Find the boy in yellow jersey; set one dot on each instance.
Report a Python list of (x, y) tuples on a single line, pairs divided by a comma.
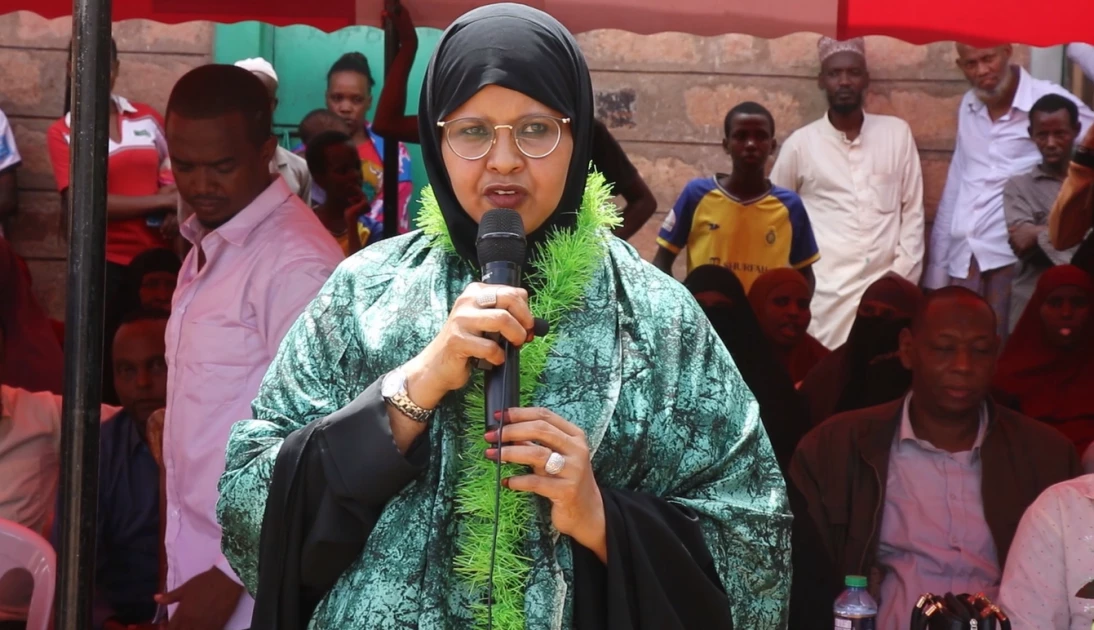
[(740, 221)]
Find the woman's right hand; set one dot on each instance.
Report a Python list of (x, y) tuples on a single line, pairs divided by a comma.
[(445, 364)]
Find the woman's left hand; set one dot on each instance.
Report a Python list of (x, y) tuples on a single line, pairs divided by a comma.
[(577, 508)]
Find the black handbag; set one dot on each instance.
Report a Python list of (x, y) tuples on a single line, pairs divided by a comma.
[(957, 612)]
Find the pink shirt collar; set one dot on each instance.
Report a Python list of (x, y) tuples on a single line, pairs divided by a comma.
[(239, 227)]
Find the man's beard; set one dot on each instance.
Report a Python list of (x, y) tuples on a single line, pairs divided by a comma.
[(991, 96), (846, 108)]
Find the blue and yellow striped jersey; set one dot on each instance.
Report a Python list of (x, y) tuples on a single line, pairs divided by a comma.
[(747, 238)]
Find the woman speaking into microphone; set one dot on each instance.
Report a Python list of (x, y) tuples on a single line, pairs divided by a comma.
[(638, 488)]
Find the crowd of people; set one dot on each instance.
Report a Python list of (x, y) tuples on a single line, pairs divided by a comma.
[(285, 390)]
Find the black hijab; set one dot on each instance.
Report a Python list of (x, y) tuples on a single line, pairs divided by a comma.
[(786, 419), (782, 410), (866, 371), (522, 49)]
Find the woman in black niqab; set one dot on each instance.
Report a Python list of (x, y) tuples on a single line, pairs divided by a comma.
[(785, 416), (866, 371), (781, 407)]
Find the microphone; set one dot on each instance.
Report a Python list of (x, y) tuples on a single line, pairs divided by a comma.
[(501, 249)]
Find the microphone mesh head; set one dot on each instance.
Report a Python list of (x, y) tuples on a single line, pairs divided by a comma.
[(501, 237)]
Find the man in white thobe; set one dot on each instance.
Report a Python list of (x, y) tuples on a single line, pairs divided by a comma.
[(859, 176)]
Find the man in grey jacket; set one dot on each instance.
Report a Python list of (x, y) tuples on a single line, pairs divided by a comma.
[(924, 494)]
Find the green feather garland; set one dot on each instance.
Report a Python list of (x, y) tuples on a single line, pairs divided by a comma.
[(559, 277)]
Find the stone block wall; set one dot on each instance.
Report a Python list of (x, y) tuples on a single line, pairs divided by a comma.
[(33, 57), (664, 97)]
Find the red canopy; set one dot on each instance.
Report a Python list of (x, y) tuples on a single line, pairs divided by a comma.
[(1042, 23)]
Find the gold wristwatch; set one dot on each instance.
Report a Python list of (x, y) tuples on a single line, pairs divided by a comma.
[(393, 390)]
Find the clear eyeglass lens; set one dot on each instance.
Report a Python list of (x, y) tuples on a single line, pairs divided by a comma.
[(535, 136)]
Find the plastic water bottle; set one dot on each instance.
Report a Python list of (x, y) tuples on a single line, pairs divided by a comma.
[(854, 608)]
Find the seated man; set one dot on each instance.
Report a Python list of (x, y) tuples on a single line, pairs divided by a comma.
[(1047, 584), (924, 494), (30, 444), (128, 531)]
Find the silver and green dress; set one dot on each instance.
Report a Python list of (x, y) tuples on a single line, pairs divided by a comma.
[(325, 521)]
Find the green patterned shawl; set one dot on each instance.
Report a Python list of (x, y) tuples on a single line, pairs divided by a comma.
[(633, 362)]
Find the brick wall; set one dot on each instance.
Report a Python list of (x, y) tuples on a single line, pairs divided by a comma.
[(32, 85), (664, 96)]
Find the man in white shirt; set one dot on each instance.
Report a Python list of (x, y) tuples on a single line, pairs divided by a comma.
[(969, 241), (1047, 581), (860, 178), (9, 162), (259, 256), (1082, 55), (290, 165)]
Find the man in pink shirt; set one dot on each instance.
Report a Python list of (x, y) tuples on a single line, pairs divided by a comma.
[(923, 494), (259, 256)]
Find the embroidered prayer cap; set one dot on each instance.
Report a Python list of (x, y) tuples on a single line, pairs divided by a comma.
[(826, 47), (258, 65)]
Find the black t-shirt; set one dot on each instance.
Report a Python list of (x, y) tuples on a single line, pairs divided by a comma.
[(610, 159)]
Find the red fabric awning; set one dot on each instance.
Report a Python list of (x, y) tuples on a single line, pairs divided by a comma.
[(1042, 23)]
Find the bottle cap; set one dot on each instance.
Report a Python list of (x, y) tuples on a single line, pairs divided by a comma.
[(857, 581)]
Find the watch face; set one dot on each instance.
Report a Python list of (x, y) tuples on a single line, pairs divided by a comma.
[(393, 384)]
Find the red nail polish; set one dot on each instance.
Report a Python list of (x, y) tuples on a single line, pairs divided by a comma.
[(505, 482), (498, 415), (492, 454), (531, 336), (491, 436)]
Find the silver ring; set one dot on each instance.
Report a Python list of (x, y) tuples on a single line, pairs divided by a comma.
[(555, 463), (487, 299)]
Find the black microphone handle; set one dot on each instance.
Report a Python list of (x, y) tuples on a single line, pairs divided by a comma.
[(502, 383)]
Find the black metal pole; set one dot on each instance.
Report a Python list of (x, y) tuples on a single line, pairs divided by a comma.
[(84, 313), (391, 147)]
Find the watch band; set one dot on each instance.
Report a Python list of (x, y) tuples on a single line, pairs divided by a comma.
[(403, 403), (393, 389)]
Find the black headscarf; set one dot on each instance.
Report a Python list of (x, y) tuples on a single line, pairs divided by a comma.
[(522, 49), (782, 410), (866, 371), (785, 418)]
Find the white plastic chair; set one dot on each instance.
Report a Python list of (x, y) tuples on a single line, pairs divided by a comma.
[(21, 548)]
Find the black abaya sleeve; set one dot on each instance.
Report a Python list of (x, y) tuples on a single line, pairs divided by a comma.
[(330, 483), (659, 575)]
